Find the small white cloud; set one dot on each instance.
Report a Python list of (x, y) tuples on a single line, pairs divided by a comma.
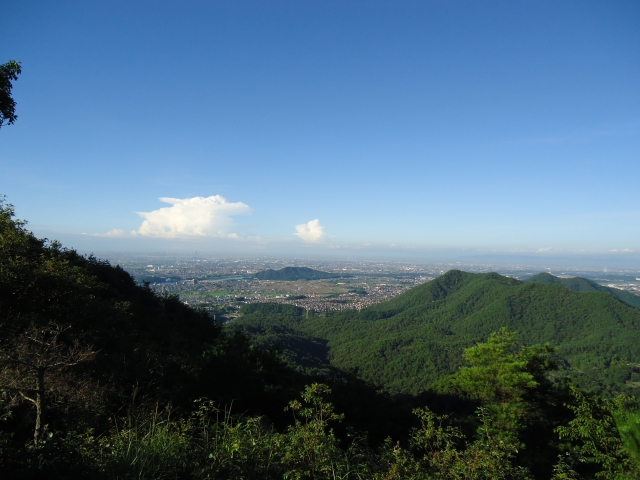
[(311, 232), (544, 249), (192, 217), (116, 232)]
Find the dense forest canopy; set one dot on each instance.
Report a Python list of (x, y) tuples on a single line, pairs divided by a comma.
[(579, 284), (101, 378), (406, 343)]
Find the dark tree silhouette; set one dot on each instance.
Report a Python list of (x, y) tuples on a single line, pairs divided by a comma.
[(8, 73), (33, 366)]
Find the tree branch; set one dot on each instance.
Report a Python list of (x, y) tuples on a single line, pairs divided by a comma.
[(27, 398)]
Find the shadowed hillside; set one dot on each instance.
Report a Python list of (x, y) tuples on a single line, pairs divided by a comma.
[(412, 340)]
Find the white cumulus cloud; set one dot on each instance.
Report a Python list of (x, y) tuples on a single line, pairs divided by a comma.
[(116, 232), (192, 217), (311, 232)]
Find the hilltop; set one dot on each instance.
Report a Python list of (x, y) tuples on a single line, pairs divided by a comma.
[(409, 342), (579, 284), (296, 273)]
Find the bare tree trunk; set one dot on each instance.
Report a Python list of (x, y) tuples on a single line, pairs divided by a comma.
[(40, 404)]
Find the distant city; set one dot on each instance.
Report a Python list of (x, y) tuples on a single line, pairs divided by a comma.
[(223, 285)]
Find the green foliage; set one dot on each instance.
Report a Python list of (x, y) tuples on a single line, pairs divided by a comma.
[(8, 73), (310, 447), (152, 448), (443, 452), (518, 406), (418, 337), (500, 377), (273, 325), (596, 440), (216, 444), (628, 423), (579, 284)]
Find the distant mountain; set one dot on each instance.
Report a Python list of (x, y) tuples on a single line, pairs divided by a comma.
[(296, 273), (579, 284), (140, 280), (409, 342)]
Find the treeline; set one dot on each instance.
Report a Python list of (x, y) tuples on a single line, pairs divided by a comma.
[(407, 343), (579, 284), (101, 378)]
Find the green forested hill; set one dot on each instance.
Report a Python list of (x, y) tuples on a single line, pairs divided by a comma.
[(295, 273), (579, 284), (418, 337)]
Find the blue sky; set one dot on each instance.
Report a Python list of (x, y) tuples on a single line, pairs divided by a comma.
[(327, 126)]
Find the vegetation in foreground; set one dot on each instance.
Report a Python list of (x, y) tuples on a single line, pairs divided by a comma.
[(100, 378)]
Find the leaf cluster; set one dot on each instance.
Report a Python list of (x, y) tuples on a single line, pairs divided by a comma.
[(8, 74)]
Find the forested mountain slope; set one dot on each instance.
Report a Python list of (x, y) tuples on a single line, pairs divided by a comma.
[(103, 342), (579, 284), (85, 353), (418, 337)]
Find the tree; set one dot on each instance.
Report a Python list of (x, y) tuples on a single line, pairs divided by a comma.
[(628, 423), (35, 363), (8, 73), (312, 450), (41, 295), (600, 435), (501, 376)]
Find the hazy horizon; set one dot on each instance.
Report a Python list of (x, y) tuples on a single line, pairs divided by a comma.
[(590, 261)]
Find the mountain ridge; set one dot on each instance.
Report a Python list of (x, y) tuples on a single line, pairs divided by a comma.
[(417, 337), (580, 284)]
